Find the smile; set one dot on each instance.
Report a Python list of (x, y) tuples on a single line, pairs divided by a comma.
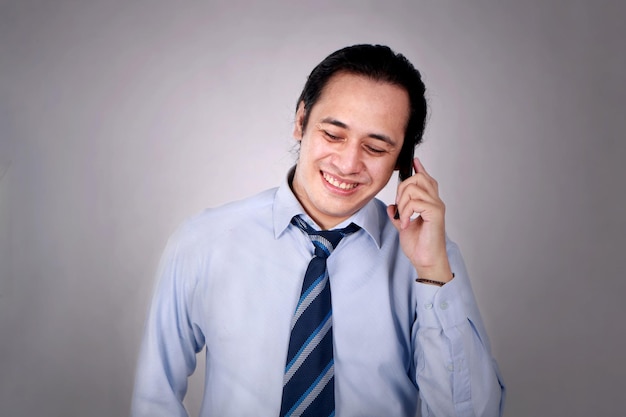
[(335, 182)]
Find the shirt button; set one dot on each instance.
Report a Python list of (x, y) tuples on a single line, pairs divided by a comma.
[(443, 305), (451, 367), (428, 306)]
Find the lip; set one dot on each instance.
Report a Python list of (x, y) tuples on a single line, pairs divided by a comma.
[(338, 185)]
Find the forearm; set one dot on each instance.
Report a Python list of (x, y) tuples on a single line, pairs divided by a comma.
[(456, 375), (454, 369), (161, 378)]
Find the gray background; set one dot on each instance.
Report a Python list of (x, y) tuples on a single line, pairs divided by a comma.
[(120, 119)]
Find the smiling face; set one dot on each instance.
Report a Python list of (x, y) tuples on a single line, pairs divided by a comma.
[(349, 147)]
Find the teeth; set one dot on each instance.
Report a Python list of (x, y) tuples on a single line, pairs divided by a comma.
[(336, 183)]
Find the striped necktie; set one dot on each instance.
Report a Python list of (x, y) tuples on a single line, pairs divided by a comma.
[(308, 384)]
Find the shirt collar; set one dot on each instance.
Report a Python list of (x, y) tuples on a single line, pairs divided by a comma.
[(286, 206)]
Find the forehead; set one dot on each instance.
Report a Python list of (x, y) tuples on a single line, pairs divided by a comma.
[(360, 100)]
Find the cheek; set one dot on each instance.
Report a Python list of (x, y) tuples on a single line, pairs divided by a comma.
[(314, 149), (382, 172)]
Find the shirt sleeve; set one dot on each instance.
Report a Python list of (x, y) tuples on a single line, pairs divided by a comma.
[(454, 370), (171, 340)]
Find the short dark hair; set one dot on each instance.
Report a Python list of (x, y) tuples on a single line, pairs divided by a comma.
[(379, 63)]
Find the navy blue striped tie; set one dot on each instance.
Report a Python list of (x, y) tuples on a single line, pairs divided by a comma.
[(309, 386)]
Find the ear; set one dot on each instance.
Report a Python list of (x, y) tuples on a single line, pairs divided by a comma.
[(298, 129)]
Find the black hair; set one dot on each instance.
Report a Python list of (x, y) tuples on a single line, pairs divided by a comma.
[(379, 63)]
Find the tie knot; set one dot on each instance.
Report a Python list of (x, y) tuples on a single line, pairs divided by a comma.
[(325, 241)]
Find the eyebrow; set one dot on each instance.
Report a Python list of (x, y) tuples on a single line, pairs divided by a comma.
[(342, 125)]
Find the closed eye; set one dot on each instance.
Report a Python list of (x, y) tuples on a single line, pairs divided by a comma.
[(375, 150), (331, 136)]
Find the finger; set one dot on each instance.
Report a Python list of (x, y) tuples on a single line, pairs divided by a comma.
[(414, 199), (427, 210), (418, 181), (419, 168), (421, 173), (417, 165), (415, 192), (394, 216), (417, 200)]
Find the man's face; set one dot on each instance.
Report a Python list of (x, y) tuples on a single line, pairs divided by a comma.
[(349, 148)]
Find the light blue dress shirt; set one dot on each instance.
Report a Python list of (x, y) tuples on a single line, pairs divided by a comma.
[(229, 280)]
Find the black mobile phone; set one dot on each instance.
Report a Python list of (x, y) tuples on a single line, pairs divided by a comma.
[(405, 170), (405, 165)]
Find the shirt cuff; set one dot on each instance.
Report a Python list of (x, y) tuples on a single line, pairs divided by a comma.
[(441, 307)]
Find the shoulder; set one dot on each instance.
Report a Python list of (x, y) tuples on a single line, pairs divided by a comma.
[(207, 227)]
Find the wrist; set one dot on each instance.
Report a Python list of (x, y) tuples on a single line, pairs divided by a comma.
[(433, 282), (441, 272)]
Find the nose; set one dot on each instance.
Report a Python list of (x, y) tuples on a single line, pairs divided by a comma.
[(348, 159)]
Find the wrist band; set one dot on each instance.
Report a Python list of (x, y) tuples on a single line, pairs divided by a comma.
[(433, 282)]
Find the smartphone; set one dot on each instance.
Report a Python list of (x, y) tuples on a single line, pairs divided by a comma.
[(405, 166), (405, 170)]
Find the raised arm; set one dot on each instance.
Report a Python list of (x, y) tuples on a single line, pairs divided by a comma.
[(454, 369)]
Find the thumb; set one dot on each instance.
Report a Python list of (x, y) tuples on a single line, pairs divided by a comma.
[(391, 212)]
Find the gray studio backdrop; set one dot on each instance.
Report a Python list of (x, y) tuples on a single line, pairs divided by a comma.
[(119, 119)]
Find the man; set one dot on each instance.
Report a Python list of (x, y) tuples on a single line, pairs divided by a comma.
[(404, 335)]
